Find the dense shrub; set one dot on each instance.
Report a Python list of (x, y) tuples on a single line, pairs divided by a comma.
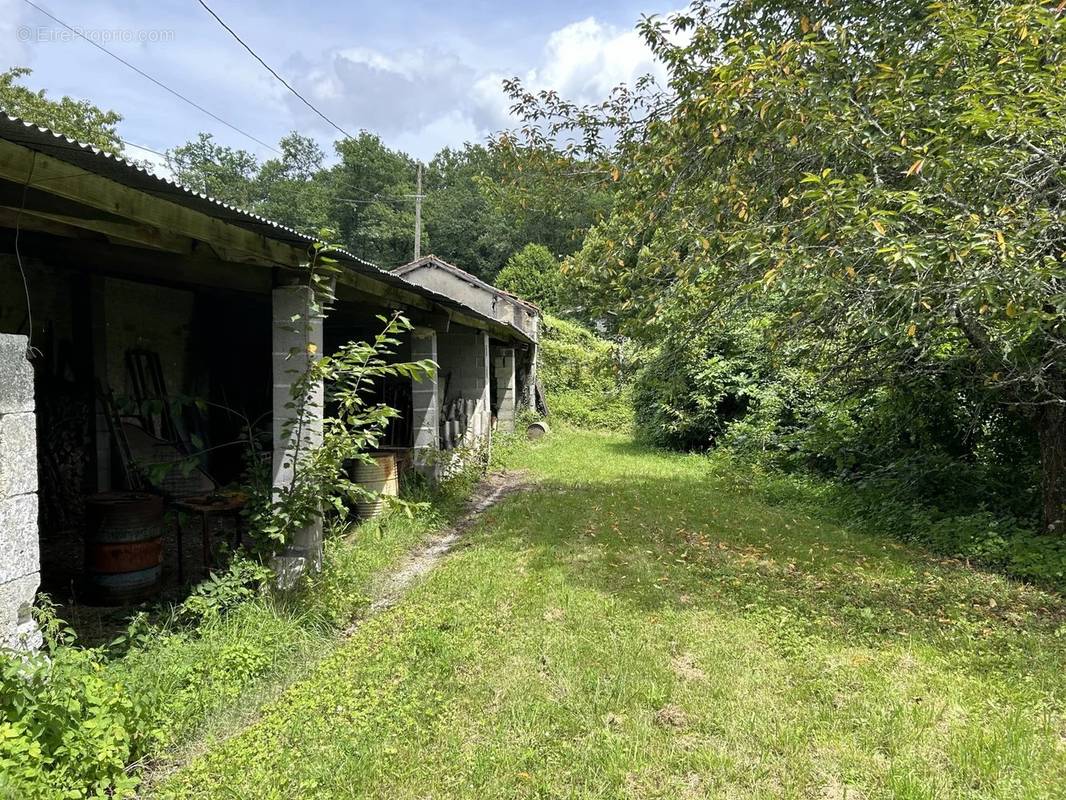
[(534, 274), (695, 386), (924, 461), (583, 377), (67, 728)]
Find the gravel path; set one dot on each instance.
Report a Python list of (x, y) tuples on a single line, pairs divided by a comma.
[(422, 560)]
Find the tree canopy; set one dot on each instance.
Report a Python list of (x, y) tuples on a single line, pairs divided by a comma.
[(78, 119), (891, 199)]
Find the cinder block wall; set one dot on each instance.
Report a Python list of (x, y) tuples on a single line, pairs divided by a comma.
[(503, 364), (463, 356), (19, 547), (425, 403)]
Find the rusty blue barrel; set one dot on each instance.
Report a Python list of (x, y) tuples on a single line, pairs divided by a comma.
[(124, 547)]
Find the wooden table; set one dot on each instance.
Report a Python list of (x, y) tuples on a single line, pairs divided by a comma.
[(208, 506)]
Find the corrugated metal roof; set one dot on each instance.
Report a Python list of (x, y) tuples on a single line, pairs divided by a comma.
[(107, 165)]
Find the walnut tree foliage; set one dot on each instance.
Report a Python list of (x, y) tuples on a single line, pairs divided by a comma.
[(886, 187)]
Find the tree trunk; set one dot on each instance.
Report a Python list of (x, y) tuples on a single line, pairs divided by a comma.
[(1052, 431)]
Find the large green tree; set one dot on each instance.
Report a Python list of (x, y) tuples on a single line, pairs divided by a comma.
[(225, 173), (78, 119), (463, 224), (893, 194), (294, 189), (373, 208), (534, 274)]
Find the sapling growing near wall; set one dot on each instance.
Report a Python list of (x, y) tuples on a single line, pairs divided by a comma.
[(325, 445)]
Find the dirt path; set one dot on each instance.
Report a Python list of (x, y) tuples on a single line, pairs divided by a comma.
[(389, 590), (421, 561)]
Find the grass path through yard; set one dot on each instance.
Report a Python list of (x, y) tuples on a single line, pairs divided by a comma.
[(637, 626)]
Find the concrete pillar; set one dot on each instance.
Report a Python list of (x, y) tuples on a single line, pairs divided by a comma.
[(425, 395), (503, 362), (483, 388), (297, 340), (533, 355), (528, 401), (20, 569)]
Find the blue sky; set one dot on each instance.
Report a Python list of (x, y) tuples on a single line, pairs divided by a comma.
[(419, 74)]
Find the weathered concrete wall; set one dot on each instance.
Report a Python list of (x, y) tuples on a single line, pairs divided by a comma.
[(487, 301), (19, 547), (120, 315), (50, 288), (144, 317), (503, 364), (295, 344)]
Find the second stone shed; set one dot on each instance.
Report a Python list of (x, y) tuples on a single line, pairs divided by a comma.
[(511, 364)]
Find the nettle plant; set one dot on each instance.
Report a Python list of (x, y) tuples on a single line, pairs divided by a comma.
[(326, 445)]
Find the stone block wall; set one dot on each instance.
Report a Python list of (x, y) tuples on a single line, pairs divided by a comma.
[(463, 356), (19, 546), (503, 367)]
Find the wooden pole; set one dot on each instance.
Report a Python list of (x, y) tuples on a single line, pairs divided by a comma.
[(418, 215)]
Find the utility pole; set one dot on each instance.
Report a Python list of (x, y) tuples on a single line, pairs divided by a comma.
[(418, 215)]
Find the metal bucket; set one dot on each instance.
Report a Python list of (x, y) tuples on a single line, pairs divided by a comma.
[(124, 547), (379, 476), (537, 430)]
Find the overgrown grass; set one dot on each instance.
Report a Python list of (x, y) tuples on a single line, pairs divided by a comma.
[(643, 625), (202, 683), (959, 526)]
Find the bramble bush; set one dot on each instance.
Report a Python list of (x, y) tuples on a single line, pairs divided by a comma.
[(583, 377)]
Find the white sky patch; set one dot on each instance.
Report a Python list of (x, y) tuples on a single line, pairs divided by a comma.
[(586, 60), (422, 99), (419, 87)]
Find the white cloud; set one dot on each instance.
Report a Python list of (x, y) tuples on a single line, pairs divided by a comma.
[(419, 96), (585, 60), (422, 99)]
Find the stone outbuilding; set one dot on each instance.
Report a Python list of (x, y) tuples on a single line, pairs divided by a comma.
[(132, 305), (513, 362)]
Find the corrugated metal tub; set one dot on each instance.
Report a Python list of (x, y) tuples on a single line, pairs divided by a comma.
[(124, 547)]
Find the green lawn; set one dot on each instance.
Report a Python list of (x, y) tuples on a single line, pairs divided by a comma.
[(638, 627)]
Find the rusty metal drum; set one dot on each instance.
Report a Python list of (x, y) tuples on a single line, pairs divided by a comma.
[(380, 476), (124, 547), (537, 430)]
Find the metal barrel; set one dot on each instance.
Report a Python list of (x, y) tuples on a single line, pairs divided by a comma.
[(380, 476), (536, 430), (124, 547)]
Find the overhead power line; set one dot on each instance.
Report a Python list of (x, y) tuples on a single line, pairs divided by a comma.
[(271, 70), (156, 81), (128, 143)]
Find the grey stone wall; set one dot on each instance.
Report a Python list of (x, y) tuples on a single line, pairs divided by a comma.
[(19, 547)]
